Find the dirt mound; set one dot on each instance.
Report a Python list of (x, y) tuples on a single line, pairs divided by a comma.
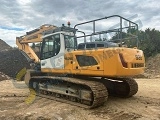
[(153, 66), (11, 61), (4, 46)]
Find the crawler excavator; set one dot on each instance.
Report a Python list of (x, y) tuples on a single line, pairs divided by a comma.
[(75, 68)]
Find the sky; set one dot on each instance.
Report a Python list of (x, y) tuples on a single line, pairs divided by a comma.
[(19, 16)]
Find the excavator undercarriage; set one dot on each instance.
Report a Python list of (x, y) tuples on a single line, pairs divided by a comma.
[(82, 92)]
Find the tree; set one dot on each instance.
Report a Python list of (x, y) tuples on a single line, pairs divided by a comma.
[(149, 40)]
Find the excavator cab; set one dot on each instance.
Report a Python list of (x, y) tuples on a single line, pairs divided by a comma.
[(54, 46)]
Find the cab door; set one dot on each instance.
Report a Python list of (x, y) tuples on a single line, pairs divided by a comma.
[(52, 52)]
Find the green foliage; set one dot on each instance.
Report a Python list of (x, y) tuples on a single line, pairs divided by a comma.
[(128, 37), (148, 40)]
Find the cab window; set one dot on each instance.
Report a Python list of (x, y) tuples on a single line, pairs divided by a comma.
[(69, 41), (50, 46)]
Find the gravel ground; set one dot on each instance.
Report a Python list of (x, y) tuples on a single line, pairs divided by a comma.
[(145, 105)]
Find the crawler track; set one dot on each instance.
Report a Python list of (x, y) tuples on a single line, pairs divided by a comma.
[(98, 90), (121, 87)]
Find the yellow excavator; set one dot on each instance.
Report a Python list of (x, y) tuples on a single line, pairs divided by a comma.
[(80, 67)]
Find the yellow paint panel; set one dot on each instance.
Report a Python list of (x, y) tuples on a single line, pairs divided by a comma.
[(108, 63)]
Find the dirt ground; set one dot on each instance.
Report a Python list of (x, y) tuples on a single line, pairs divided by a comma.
[(145, 105)]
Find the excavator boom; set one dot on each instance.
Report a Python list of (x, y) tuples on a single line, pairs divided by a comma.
[(34, 36)]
